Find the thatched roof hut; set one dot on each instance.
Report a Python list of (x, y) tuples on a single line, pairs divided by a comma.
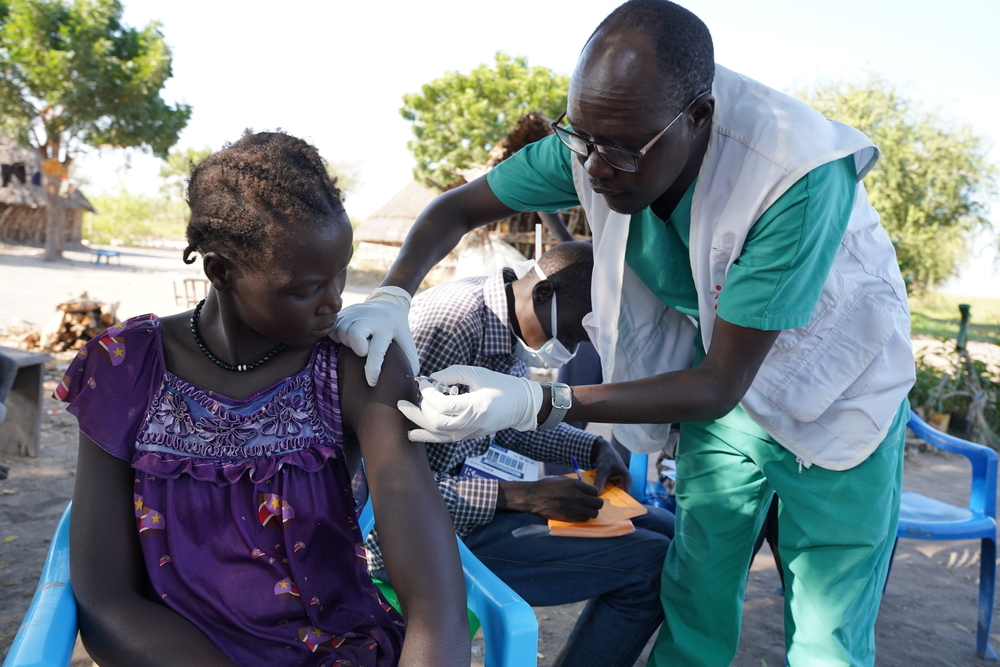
[(390, 224), (22, 198)]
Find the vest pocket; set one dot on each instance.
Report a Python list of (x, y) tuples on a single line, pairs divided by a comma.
[(832, 359)]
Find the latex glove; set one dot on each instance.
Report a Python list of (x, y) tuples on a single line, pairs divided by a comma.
[(368, 328), (496, 402)]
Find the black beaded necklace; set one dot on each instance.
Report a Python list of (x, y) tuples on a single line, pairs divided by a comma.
[(218, 362)]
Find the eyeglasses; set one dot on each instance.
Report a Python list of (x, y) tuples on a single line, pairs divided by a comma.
[(617, 158)]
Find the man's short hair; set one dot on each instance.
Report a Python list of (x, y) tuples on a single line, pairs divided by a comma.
[(683, 44), (570, 267)]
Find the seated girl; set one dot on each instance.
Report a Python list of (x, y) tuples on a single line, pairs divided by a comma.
[(213, 516)]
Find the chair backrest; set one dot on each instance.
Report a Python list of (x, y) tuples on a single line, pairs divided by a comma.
[(983, 495), (48, 632)]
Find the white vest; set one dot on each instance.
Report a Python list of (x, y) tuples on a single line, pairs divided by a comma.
[(828, 391)]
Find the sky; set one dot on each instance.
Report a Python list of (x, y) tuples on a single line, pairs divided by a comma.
[(335, 72)]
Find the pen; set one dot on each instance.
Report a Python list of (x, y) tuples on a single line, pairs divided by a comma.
[(576, 468)]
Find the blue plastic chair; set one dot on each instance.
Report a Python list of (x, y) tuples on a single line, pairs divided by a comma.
[(923, 518), (648, 491), (509, 624), (47, 634), (920, 517)]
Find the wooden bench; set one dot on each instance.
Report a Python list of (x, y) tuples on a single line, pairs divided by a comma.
[(107, 255), (20, 432)]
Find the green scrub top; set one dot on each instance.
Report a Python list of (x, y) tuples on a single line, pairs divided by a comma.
[(774, 284)]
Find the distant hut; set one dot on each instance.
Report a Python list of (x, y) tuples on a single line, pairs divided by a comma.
[(22, 198), (383, 232)]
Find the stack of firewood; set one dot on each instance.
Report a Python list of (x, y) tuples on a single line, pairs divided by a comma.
[(74, 323)]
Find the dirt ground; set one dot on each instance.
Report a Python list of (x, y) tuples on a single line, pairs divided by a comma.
[(928, 614)]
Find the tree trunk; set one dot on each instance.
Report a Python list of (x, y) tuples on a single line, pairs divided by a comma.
[(55, 219)]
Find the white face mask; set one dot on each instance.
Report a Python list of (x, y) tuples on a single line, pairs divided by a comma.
[(552, 353)]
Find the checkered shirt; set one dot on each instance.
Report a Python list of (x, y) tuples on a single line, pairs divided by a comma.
[(466, 322)]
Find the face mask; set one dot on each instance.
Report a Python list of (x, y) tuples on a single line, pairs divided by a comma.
[(552, 354)]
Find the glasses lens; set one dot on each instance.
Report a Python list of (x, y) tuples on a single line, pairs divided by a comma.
[(572, 142), (617, 159)]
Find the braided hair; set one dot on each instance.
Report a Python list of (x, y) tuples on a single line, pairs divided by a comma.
[(238, 194)]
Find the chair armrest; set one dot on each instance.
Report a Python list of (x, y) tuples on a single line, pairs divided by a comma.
[(509, 624), (47, 634), (502, 612), (984, 463)]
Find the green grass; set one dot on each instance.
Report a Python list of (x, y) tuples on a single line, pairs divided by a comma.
[(936, 315)]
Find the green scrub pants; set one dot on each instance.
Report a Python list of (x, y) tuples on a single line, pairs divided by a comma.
[(836, 532)]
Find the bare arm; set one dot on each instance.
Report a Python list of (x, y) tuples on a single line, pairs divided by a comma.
[(119, 625), (415, 531), (708, 391), (440, 227)]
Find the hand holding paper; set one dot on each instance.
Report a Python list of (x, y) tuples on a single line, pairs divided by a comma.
[(614, 517)]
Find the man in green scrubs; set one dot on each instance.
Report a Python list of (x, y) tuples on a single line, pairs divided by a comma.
[(649, 66)]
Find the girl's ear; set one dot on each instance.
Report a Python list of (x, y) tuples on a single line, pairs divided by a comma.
[(218, 270)]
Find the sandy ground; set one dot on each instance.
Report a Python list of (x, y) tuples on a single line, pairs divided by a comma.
[(927, 617)]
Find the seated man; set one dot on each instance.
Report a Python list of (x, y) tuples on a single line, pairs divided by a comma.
[(504, 323)]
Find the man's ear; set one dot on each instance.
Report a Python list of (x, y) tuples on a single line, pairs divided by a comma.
[(219, 271), (702, 112), (542, 292)]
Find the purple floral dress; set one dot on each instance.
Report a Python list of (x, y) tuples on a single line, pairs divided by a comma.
[(244, 508)]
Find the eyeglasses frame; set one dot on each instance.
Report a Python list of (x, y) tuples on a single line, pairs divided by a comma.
[(635, 155)]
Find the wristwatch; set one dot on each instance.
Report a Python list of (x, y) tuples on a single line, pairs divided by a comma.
[(562, 400)]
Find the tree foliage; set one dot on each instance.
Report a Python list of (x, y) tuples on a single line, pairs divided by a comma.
[(930, 182), (346, 175), (459, 117), (71, 72), (71, 75), (176, 168), (136, 219)]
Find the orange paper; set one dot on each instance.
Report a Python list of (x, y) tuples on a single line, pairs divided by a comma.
[(613, 518)]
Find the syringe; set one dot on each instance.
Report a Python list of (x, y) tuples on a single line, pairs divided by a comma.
[(448, 390)]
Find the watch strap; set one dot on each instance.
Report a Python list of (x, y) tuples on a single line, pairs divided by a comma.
[(562, 401)]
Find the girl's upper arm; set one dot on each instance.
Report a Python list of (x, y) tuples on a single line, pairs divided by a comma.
[(106, 558), (415, 530)]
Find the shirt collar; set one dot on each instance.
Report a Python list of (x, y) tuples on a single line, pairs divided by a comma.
[(497, 338)]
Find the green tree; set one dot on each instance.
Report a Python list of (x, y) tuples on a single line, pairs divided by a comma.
[(71, 75), (930, 182), (458, 118), (131, 219), (176, 168), (346, 175)]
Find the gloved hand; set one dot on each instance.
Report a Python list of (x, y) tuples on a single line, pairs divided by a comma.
[(496, 402), (368, 328)]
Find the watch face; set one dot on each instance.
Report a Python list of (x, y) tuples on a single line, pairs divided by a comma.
[(562, 396)]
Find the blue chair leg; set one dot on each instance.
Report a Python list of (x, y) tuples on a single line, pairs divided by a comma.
[(987, 584)]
